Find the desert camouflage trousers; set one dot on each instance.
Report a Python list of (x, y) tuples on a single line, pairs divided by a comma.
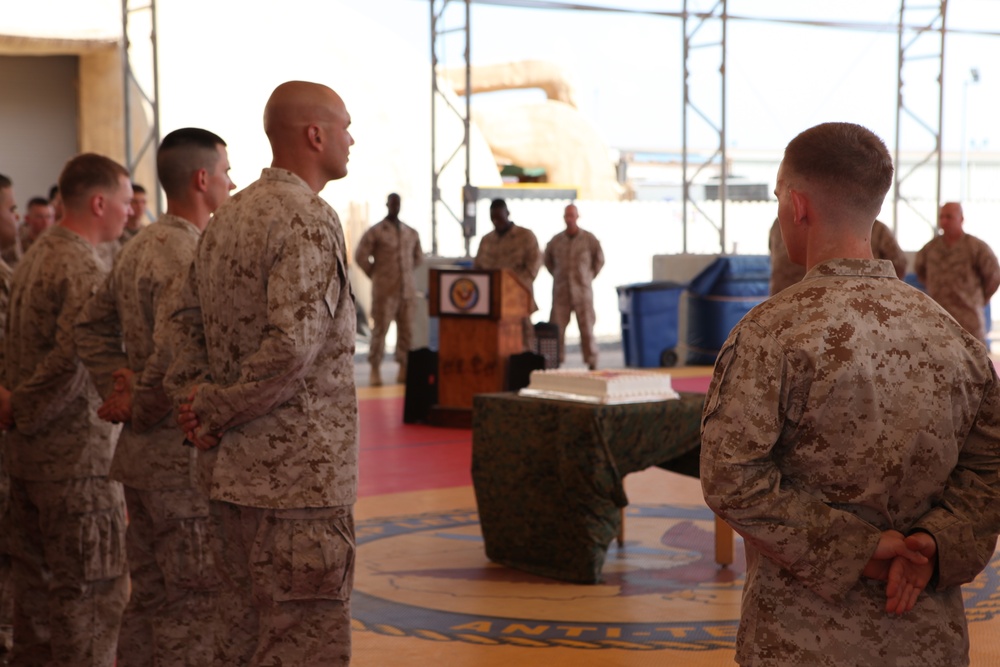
[(285, 590), (170, 617), (69, 569), (385, 309), (585, 318)]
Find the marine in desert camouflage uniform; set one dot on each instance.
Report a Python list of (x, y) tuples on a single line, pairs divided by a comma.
[(39, 216), (574, 258), (169, 617), (10, 241), (6, 583), (388, 253), (510, 247), (784, 273), (9, 222), (137, 216), (273, 402), (69, 519), (850, 436), (959, 270)]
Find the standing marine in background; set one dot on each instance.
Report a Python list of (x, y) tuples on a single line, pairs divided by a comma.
[(959, 270), (510, 247), (574, 258), (388, 254)]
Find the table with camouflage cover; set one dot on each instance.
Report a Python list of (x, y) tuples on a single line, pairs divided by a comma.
[(548, 474)]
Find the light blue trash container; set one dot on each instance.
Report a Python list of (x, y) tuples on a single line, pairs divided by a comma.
[(649, 323), (718, 298)]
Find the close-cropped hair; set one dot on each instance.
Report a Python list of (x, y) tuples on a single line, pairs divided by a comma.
[(498, 203), (850, 161), (38, 201), (182, 153), (5, 182), (138, 189), (86, 172)]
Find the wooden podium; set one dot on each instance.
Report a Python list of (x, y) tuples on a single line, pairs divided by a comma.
[(481, 317)]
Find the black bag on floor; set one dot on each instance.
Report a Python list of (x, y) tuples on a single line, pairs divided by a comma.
[(421, 385)]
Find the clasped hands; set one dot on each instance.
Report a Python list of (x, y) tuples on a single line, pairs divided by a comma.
[(190, 424), (906, 564), (117, 407)]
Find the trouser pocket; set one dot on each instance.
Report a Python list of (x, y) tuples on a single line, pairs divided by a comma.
[(311, 552)]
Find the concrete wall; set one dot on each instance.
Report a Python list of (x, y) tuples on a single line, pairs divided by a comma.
[(38, 120), (59, 99)]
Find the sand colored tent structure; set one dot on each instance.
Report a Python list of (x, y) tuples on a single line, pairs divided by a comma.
[(552, 135)]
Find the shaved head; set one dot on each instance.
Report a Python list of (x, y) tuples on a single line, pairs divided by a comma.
[(295, 104), (307, 125)]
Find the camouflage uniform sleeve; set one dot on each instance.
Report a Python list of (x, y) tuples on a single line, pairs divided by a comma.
[(966, 520), (98, 337), (989, 271), (418, 251), (185, 334), (825, 548), (5, 278), (533, 256), (60, 377), (920, 265), (549, 258), (363, 253), (598, 254), (477, 263), (150, 402), (303, 285)]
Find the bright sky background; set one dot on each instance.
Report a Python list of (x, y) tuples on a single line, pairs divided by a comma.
[(626, 69)]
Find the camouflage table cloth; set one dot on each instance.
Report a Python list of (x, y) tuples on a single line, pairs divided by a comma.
[(548, 474)]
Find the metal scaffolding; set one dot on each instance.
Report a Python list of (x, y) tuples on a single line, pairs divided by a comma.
[(693, 25), (921, 32), (438, 31), (149, 99), (921, 48)]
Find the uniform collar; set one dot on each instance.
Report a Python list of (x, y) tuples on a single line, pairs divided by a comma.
[(171, 220), (283, 176), (868, 268)]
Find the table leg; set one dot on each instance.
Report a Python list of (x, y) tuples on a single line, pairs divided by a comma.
[(621, 530), (723, 543)]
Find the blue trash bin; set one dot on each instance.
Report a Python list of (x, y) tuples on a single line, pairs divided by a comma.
[(649, 323), (718, 298)]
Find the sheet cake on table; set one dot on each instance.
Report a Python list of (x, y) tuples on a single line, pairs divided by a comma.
[(605, 387)]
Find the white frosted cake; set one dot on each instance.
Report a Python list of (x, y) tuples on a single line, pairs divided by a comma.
[(620, 386)]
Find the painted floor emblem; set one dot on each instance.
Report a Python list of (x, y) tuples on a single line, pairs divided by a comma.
[(451, 592)]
